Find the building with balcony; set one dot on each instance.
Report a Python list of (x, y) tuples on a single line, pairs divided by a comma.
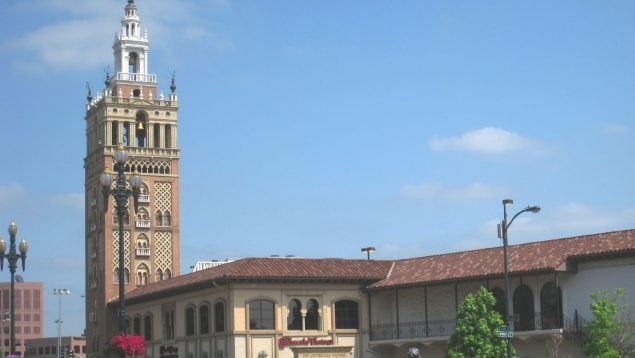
[(300, 308)]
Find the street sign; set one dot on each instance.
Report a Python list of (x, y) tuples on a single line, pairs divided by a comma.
[(503, 333)]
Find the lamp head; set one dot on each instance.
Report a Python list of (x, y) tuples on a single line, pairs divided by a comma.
[(13, 228), (24, 247), (135, 180), (508, 201), (106, 178), (534, 209), (3, 247), (120, 154)]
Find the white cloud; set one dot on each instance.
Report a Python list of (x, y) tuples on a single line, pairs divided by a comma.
[(11, 194), (73, 200), (474, 191), (568, 220), (484, 140), (82, 40), (615, 128)]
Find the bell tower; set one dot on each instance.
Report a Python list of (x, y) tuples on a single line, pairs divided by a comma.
[(128, 111)]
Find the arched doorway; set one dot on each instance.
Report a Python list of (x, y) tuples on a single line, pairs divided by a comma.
[(524, 308), (551, 306)]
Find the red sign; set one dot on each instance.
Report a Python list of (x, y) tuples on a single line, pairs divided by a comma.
[(307, 341)]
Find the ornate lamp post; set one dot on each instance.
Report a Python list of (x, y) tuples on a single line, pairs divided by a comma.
[(121, 193), (504, 225), (12, 257), (60, 292)]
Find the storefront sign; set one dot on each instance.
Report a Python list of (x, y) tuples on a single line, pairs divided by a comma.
[(306, 341), (168, 352)]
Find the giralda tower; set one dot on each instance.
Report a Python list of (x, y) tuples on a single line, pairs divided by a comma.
[(129, 111)]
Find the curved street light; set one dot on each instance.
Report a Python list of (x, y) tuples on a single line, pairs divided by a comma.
[(503, 226)]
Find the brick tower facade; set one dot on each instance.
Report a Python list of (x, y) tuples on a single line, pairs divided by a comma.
[(128, 111)]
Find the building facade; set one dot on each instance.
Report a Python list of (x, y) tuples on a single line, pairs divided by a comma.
[(301, 308), (47, 347), (29, 317), (130, 112)]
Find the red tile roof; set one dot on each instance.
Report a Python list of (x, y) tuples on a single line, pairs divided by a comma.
[(543, 256), (274, 269), (539, 256)]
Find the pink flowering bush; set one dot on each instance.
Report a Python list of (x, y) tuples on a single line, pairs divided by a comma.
[(130, 345)]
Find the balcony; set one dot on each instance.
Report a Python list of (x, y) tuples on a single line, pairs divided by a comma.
[(144, 198), (143, 252), (142, 224), (445, 328), (136, 77)]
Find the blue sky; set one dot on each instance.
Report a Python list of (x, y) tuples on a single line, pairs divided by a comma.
[(315, 128)]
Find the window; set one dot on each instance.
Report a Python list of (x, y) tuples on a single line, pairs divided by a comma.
[(346, 314), (189, 321), (168, 325), (311, 321), (136, 326), (132, 61), (294, 315), (158, 218), (147, 328), (261, 314), (159, 275), (203, 318), (219, 317)]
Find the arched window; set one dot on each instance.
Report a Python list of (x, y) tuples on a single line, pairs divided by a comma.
[(158, 218), (147, 328), (133, 62), (189, 321), (167, 274), (203, 318), (346, 314), (115, 278), (294, 315), (261, 314), (499, 306), (159, 275), (126, 276), (136, 325), (524, 308), (167, 219), (142, 274), (551, 306), (141, 133), (219, 316), (168, 325), (312, 315)]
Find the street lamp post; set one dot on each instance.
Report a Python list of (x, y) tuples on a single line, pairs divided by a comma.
[(368, 250), (60, 292), (121, 194), (12, 257), (504, 225)]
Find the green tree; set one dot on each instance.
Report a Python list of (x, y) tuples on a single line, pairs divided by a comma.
[(609, 334), (476, 331)]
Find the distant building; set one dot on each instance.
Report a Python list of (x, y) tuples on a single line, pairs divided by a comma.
[(29, 308), (47, 347), (202, 265)]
